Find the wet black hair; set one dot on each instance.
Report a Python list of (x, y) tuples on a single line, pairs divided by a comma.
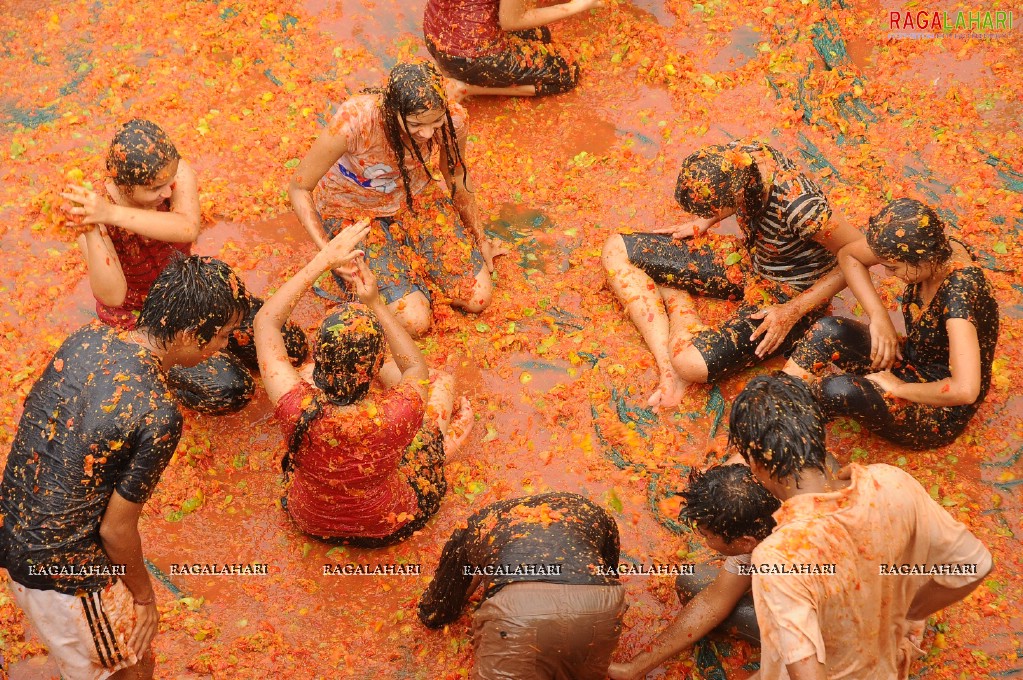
[(907, 230), (139, 151), (717, 177), (193, 294), (776, 421), (348, 355), (728, 500), (413, 88)]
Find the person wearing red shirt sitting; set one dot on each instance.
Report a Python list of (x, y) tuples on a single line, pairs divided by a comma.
[(365, 461)]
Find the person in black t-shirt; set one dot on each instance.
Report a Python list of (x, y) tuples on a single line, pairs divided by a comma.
[(99, 427), (783, 270), (924, 394), (552, 602)]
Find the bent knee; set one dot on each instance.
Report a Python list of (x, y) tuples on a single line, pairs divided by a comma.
[(690, 365), (414, 314), (482, 294), (614, 254), (828, 328)]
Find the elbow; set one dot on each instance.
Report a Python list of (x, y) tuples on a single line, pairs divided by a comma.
[(110, 533), (111, 298), (964, 395)]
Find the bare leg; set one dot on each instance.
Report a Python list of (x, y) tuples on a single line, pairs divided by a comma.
[(389, 374), (639, 295), (797, 371), (413, 312), (482, 294), (458, 90), (454, 422)]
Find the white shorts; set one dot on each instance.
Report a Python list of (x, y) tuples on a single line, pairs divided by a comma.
[(87, 635)]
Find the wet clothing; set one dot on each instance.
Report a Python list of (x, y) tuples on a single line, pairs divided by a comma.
[(465, 28), (547, 631), (743, 618), (854, 620), (525, 58), (100, 419), (568, 533), (964, 294), (775, 261), (361, 472), (426, 252), (366, 179), (86, 635)]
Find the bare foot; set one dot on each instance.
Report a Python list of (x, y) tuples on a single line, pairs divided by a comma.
[(456, 90), (669, 392), (459, 428)]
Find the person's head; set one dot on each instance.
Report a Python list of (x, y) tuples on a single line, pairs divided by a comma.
[(192, 308), (778, 428), (348, 354), (143, 162), (415, 108), (728, 508), (718, 177), (909, 239)]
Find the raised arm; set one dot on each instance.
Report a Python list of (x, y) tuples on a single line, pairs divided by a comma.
[(106, 278), (702, 614), (179, 225), (856, 259), (279, 376), (331, 145), (513, 15)]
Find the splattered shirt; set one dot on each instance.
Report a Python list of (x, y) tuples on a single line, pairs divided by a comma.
[(464, 28), (347, 480), (964, 294), (552, 538), (100, 419), (142, 260), (780, 232), (853, 621), (366, 179)]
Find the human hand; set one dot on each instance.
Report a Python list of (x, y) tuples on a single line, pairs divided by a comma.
[(583, 5), (887, 381), (884, 344), (341, 249), (147, 622), (689, 229), (491, 248), (87, 206), (778, 320), (360, 278)]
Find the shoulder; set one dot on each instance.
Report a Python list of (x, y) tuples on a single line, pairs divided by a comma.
[(402, 397), (353, 114), (294, 402), (969, 277)]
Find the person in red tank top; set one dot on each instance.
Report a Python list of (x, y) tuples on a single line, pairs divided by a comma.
[(498, 47), (147, 214), (366, 442)]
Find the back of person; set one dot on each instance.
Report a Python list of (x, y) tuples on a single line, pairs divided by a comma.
[(96, 420), (465, 28)]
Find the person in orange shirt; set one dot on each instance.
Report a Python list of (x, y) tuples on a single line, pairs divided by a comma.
[(857, 561)]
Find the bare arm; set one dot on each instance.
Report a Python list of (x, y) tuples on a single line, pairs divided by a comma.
[(513, 15), (325, 151), (106, 278), (696, 227), (119, 534), (704, 612), (179, 225), (807, 669), (279, 376)]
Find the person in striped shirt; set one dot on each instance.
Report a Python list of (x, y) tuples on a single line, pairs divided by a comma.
[(782, 269)]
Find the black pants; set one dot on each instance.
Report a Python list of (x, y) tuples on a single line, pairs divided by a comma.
[(531, 60), (743, 619), (223, 383), (846, 344)]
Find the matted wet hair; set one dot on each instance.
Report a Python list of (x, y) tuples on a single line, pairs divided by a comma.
[(193, 294), (907, 230), (713, 178), (776, 421), (348, 355), (413, 88), (728, 500), (139, 151)]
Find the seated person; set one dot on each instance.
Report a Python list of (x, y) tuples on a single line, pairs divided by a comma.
[(784, 270), (499, 47), (552, 602), (924, 395), (732, 512), (843, 609), (366, 467), (374, 159), (98, 429), (147, 212)]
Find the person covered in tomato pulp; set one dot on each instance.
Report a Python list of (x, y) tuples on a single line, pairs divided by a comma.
[(98, 429), (366, 441)]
